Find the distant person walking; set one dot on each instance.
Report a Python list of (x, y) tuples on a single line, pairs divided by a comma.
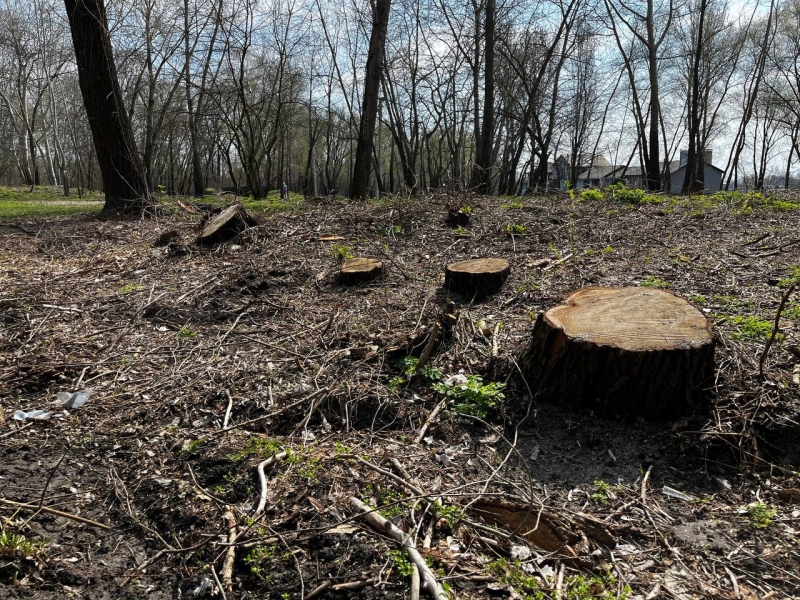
[(284, 191)]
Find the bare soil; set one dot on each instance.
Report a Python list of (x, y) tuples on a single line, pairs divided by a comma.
[(257, 334)]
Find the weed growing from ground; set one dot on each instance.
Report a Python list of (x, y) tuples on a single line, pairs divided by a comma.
[(591, 196), (654, 282), (516, 229), (515, 205), (341, 253), (18, 546), (187, 333), (471, 395), (258, 447), (751, 329), (761, 515)]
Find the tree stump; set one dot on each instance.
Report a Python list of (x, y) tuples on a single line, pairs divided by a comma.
[(476, 278), (226, 225), (359, 270), (457, 217), (622, 352)]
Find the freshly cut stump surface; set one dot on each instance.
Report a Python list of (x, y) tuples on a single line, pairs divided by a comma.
[(622, 352), (359, 270), (480, 277)]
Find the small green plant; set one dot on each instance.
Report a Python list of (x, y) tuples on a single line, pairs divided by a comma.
[(654, 282), (608, 249), (792, 279), (187, 333), (792, 311), (602, 494), (409, 366), (591, 195), (466, 209), (515, 205), (751, 329), (698, 299), (516, 229), (460, 231), (471, 395), (341, 252), (780, 205), (391, 231), (193, 448), (309, 466), (259, 555), (511, 574), (401, 562), (586, 587), (258, 447), (449, 513), (761, 515), (130, 287), (18, 546)]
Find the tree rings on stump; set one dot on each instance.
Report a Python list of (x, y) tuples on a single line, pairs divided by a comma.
[(226, 225), (359, 270), (622, 352), (476, 278)]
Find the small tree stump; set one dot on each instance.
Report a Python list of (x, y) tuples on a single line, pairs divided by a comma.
[(622, 352), (359, 270), (226, 225), (457, 217), (476, 278)]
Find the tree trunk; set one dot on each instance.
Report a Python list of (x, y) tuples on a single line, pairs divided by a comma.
[(120, 165), (622, 352), (483, 160), (359, 188)]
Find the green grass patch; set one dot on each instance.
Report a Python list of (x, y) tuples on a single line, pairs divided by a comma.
[(751, 329), (18, 546), (44, 202), (654, 282), (760, 514)]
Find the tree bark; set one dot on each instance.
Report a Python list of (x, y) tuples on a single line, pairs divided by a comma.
[(359, 188), (121, 167), (622, 352)]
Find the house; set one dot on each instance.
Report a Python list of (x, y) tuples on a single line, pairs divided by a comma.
[(712, 180), (633, 176)]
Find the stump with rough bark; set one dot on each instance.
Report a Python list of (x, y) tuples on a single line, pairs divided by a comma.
[(359, 270), (226, 225), (477, 278), (622, 352)]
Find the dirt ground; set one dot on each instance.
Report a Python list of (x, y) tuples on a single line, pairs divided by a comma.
[(204, 362)]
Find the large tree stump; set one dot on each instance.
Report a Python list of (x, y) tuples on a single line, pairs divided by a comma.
[(226, 225), (359, 270), (476, 278), (622, 352)]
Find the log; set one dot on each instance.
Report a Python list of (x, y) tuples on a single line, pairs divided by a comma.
[(622, 352), (478, 278), (226, 225), (359, 270)]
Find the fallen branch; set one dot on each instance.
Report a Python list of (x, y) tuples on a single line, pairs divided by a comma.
[(774, 330), (558, 262), (58, 513), (230, 556), (263, 478), (402, 538), (428, 350), (431, 417)]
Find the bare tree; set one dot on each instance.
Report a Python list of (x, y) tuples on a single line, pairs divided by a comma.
[(123, 175)]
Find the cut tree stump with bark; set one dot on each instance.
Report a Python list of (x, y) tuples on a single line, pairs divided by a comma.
[(226, 225), (360, 270), (478, 278), (622, 352)]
